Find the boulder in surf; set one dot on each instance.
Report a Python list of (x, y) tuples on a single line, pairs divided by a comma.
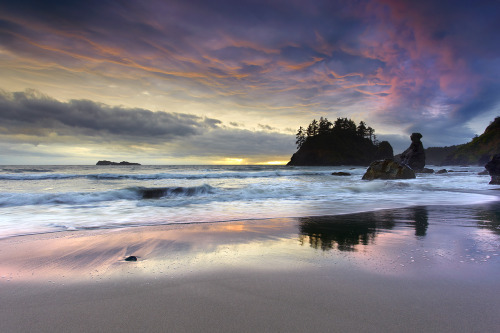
[(388, 169)]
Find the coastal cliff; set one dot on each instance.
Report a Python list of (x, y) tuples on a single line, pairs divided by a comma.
[(478, 151)]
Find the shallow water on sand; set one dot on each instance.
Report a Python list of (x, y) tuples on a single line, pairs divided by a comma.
[(454, 241)]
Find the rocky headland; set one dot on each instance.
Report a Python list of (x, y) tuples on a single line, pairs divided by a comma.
[(478, 151)]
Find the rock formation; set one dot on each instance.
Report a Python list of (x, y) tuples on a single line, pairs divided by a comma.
[(493, 168), (341, 143), (104, 162), (388, 169), (384, 150), (337, 150), (341, 173), (414, 156)]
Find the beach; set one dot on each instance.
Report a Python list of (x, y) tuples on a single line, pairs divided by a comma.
[(249, 166), (414, 269)]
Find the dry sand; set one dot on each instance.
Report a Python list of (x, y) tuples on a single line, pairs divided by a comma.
[(432, 269)]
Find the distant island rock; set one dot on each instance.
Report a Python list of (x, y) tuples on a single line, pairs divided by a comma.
[(104, 162), (340, 143)]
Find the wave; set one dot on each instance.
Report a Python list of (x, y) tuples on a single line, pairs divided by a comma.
[(84, 198), (160, 192), (22, 170), (155, 176), (38, 176)]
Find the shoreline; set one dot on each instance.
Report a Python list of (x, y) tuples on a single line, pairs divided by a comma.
[(419, 268), (494, 192), (150, 241)]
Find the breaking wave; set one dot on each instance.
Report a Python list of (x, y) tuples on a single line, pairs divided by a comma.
[(83, 198)]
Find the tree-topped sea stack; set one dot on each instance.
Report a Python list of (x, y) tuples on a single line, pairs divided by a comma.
[(340, 143)]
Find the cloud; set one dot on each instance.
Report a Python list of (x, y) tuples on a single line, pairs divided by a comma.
[(240, 143), (238, 52), (427, 66), (30, 112), (42, 122), (430, 57), (266, 127)]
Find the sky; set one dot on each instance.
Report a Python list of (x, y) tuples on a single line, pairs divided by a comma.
[(230, 82)]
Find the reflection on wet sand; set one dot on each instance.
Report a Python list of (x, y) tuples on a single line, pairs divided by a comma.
[(489, 219), (94, 253), (347, 232), (98, 253)]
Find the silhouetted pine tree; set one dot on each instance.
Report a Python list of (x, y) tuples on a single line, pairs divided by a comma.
[(300, 137)]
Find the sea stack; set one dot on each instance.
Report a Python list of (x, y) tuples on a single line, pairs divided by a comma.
[(414, 156), (493, 168)]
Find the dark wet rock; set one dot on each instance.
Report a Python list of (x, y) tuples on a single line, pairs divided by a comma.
[(388, 169), (424, 170), (153, 193), (384, 151), (442, 171), (341, 173), (131, 258), (414, 156), (483, 173), (493, 168)]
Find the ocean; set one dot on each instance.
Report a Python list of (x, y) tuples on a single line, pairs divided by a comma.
[(42, 199)]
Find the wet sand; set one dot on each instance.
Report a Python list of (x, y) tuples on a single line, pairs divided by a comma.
[(433, 269)]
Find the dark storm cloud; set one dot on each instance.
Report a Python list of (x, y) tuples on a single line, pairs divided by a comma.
[(32, 113)]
